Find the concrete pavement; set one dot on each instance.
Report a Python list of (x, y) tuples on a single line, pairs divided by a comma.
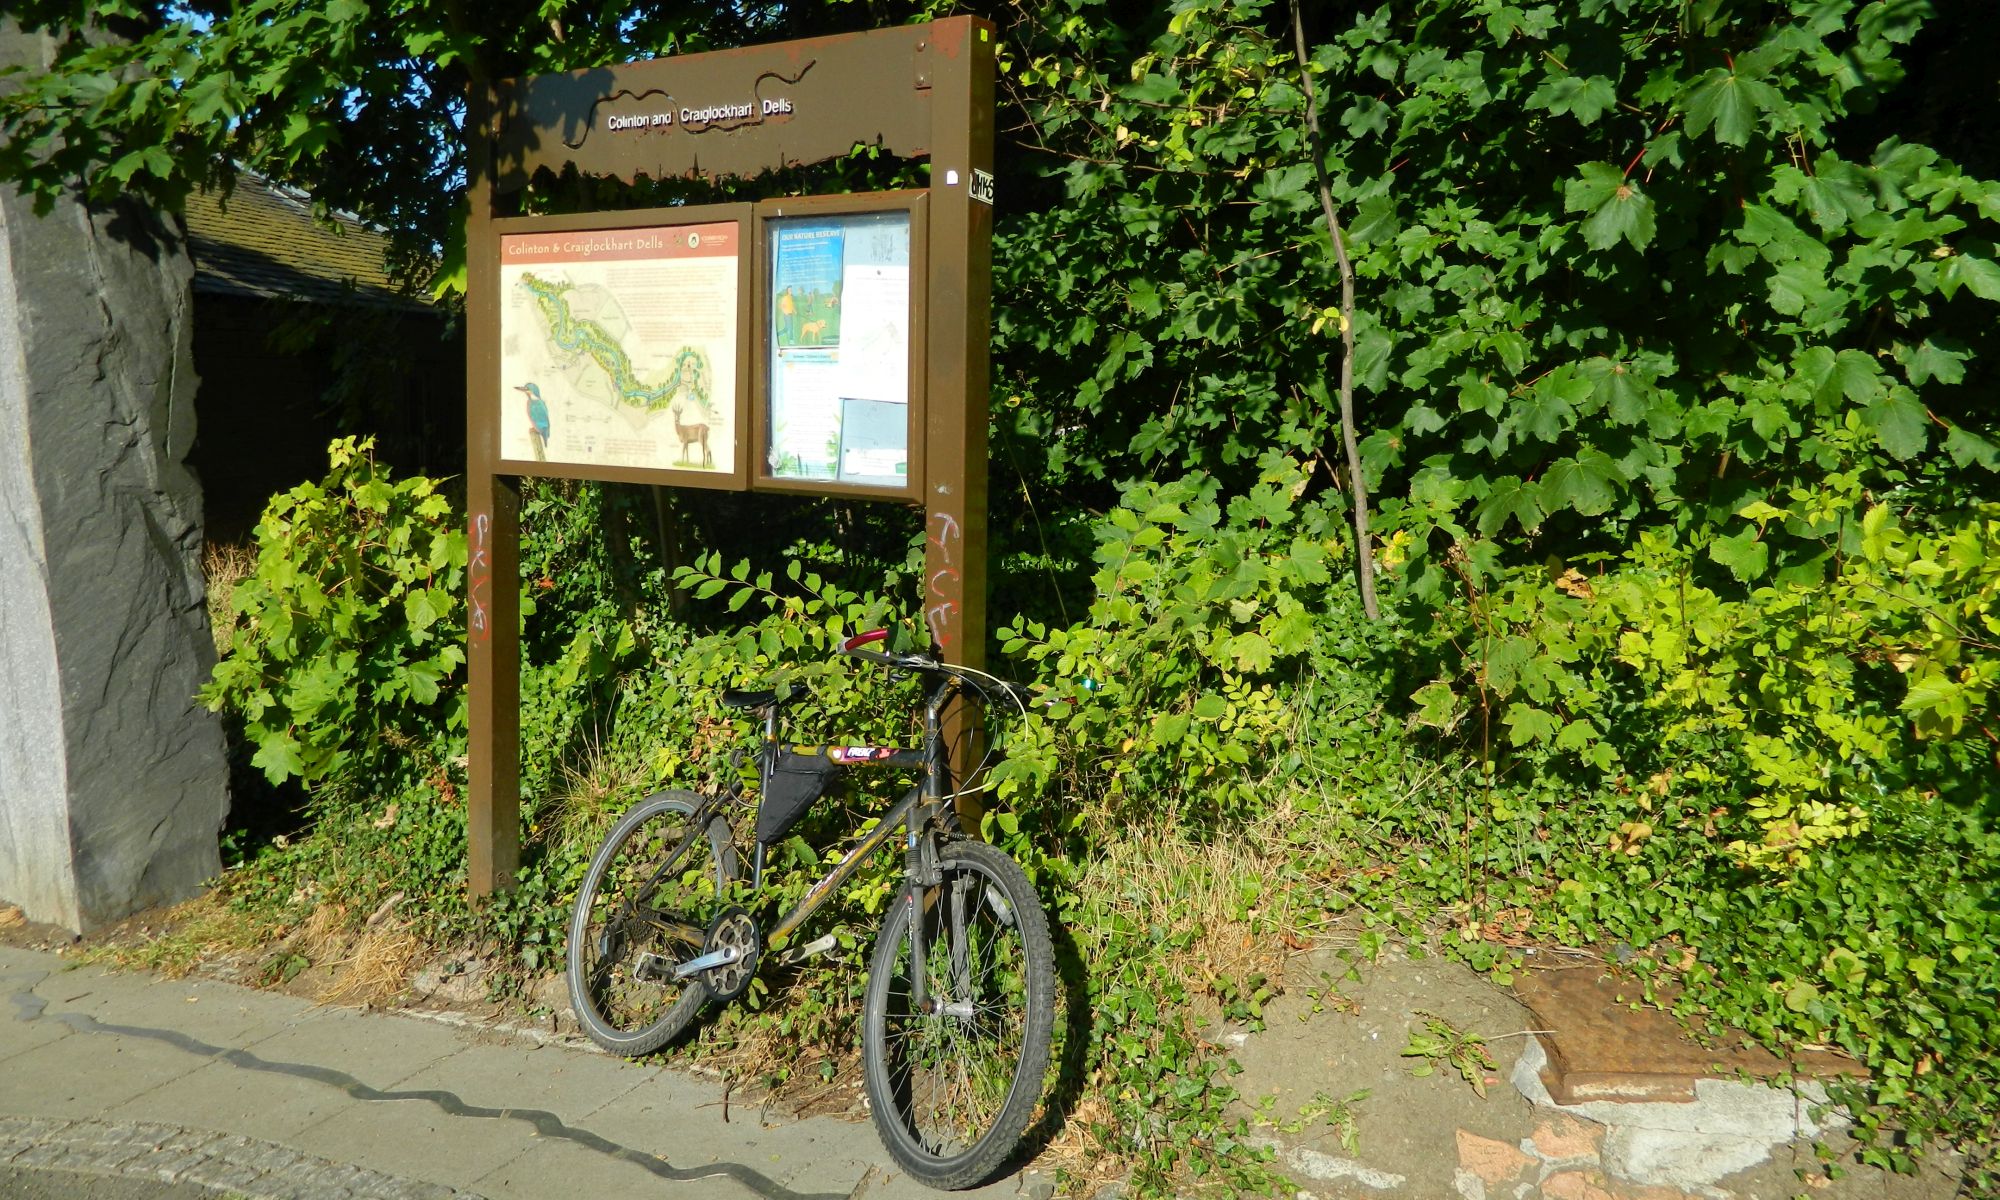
[(204, 1088)]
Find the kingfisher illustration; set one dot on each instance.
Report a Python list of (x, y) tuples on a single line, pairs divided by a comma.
[(538, 420)]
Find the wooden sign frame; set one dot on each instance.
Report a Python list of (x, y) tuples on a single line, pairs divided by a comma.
[(917, 91)]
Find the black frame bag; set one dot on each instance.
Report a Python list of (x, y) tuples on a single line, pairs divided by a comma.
[(795, 781)]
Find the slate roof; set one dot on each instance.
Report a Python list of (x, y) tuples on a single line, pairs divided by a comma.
[(263, 241)]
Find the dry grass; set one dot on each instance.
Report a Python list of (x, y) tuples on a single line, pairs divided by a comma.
[(1205, 888), (324, 936), (377, 968), (179, 940), (224, 565)]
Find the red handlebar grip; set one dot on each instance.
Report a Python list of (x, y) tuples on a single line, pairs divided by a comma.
[(862, 639)]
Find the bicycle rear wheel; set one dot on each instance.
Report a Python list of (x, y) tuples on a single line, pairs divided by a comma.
[(952, 1085), (646, 903)]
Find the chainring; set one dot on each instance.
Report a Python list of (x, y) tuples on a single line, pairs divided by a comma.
[(732, 929)]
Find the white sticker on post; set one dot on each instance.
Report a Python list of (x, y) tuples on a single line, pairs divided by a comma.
[(951, 178)]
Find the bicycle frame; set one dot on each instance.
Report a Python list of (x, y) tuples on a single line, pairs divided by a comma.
[(919, 811)]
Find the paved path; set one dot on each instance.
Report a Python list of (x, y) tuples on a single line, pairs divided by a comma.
[(132, 1085)]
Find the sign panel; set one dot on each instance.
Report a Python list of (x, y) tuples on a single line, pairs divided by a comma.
[(619, 346), (734, 112), (838, 345)]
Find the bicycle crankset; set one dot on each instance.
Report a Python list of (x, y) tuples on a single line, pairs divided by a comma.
[(732, 938)]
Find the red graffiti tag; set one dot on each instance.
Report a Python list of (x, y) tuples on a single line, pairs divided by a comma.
[(479, 580)]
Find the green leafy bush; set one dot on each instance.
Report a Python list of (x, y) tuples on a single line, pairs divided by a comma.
[(1784, 793), (1178, 681), (350, 632)]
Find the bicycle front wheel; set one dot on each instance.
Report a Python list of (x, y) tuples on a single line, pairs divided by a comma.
[(646, 903), (953, 1080)]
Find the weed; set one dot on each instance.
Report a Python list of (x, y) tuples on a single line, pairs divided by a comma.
[(1326, 994), (1439, 1041), (1337, 1115), (282, 968), (377, 968), (588, 797)]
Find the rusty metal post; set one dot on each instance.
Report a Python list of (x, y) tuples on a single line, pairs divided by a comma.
[(959, 291), (492, 505)]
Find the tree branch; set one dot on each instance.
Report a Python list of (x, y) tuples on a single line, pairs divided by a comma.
[(1364, 550)]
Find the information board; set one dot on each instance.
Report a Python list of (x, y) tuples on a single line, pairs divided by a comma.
[(618, 346), (649, 346), (838, 345)]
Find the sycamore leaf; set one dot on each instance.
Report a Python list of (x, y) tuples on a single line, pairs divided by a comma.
[(1291, 633), (1367, 115), (1251, 652), (278, 756), (1901, 424), (1547, 409), (1931, 359), (1728, 103), (1153, 89), (1851, 373), (1743, 554), (1435, 704), (1586, 483), (1623, 394), (1967, 447), (1795, 285), (1526, 723), (1836, 193), (1980, 276), (1509, 497), (1584, 97), (1614, 205), (422, 608)]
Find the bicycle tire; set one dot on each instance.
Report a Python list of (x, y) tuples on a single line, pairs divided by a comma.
[(932, 1089), (606, 944)]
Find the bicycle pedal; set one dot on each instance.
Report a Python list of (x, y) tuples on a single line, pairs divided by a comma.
[(652, 967), (799, 954)]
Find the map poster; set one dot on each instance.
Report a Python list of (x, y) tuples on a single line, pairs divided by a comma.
[(618, 347), (840, 349)]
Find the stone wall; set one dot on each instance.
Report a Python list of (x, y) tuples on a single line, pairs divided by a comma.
[(113, 784)]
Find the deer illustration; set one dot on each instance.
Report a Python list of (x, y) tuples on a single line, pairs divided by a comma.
[(693, 433)]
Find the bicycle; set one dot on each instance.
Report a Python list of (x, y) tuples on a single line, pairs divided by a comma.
[(959, 1007)]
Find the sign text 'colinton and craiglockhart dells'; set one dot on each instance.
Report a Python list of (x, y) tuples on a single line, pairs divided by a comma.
[(696, 117)]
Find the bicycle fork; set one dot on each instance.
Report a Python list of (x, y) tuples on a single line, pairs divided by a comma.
[(926, 892)]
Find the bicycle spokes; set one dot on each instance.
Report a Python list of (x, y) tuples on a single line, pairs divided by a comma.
[(953, 1054), (647, 902)]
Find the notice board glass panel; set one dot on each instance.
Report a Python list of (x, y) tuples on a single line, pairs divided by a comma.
[(620, 346), (838, 344)]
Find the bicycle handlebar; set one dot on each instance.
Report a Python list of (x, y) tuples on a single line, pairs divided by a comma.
[(980, 681)]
